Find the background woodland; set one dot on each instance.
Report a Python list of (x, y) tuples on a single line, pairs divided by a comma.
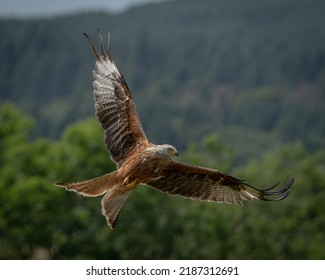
[(236, 86)]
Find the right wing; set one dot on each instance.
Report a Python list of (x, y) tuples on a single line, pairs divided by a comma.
[(114, 106)]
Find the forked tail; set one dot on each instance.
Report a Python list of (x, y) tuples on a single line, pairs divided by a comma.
[(114, 199)]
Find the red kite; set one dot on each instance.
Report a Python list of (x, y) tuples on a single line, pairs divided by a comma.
[(141, 162)]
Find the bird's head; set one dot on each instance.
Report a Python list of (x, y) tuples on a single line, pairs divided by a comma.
[(166, 150)]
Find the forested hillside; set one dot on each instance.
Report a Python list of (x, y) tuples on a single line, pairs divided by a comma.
[(235, 85), (208, 66)]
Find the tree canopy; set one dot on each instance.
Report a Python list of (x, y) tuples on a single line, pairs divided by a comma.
[(39, 220)]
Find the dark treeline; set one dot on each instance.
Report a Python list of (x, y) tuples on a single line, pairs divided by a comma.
[(206, 66)]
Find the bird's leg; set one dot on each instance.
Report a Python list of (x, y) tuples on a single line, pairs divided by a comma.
[(129, 184)]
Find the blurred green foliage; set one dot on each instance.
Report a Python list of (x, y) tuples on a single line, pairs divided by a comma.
[(39, 220)]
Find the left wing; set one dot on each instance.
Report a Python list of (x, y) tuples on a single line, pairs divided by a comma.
[(211, 185)]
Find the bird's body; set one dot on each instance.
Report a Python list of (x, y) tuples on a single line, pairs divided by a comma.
[(139, 161)]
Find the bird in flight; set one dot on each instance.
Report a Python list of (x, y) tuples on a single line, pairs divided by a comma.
[(141, 162)]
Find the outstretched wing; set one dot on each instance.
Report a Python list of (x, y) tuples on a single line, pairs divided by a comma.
[(114, 106), (211, 185)]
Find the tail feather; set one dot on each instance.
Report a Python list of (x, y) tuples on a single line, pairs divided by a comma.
[(114, 199), (113, 202), (92, 187)]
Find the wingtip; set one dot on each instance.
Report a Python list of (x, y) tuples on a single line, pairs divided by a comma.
[(291, 181), (271, 195), (101, 43), (92, 46), (274, 193), (101, 52)]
